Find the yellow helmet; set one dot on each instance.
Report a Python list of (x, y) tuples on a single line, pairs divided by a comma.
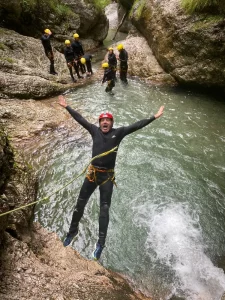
[(76, 35), (105, 65), (83, 60), (119, 47), (110, 48), (47, 31), (67, 42)]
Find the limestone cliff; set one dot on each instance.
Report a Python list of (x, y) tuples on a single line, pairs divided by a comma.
[(189, 47)]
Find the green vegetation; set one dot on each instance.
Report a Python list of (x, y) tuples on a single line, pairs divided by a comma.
[(8, 59), (207, 21), (137, 9), (30, 16), (208, 6), (2, 46), (41, 9), (63, 12), (101, 4)]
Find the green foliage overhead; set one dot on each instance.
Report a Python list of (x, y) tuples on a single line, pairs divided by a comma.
[(208, 6), (30, 16)]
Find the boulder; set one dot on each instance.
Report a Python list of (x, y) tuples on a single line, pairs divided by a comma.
[(142, 62), (190, 48), (24, 68)]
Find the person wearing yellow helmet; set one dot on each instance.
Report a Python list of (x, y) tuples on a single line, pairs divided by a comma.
[(123, 58), (120, 47), (78, 51), (112, 61), (108, 77), (45, 40), (70, 59), (86, 60)]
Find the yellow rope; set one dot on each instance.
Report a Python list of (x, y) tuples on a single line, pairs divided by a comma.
[(47, 197)]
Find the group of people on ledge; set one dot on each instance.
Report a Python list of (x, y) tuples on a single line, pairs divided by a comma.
[(79, 61)]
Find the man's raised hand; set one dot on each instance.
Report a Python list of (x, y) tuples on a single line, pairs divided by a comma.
[(62, 101), (160, 112)]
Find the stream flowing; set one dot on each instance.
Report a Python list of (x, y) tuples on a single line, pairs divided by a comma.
[(167, 218)]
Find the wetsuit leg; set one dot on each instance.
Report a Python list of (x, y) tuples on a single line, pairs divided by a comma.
[(106, 190), (114, 70), (71, 74), (86, 191), (89, 67), (110, 86), (50, 56), (123, 72), (76, 67)]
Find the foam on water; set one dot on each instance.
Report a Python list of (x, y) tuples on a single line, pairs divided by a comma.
[(175, 236)]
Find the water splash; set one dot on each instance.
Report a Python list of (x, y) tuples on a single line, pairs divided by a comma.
[(175, 235)]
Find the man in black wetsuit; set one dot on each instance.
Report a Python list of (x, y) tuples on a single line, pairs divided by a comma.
[(78, 51), (86, 59), (45, 39), (123, 58), (72, 61), (109, 76), (112, 61), (101, 171)]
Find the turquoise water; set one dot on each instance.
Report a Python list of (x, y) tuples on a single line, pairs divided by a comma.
[(166, 231)]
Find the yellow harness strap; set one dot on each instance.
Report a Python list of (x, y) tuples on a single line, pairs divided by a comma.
[(92, 174)]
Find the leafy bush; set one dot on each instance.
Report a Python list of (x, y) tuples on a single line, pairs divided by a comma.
[(209, 6), (63, 12)]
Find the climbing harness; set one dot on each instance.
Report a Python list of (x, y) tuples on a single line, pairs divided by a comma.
[(92, 174), (47, 198)]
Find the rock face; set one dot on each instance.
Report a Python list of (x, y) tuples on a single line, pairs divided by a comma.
[(39, 267), (142, 62), (17, 188), (31, 17), (190, 48), (6, 171), (92, 21), (24, 68)]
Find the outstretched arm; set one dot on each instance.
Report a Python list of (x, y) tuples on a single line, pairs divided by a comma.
[(142, 123), (82, 121)]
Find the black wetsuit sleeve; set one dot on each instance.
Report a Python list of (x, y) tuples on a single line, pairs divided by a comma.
[(81, 120), (137, 125), (46, 41)]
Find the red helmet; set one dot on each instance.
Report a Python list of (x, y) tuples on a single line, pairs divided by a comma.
[(105, 115)]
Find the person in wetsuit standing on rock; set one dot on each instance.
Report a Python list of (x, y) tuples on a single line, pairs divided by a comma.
[(78, 51), (45, 39), (101, 171)]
